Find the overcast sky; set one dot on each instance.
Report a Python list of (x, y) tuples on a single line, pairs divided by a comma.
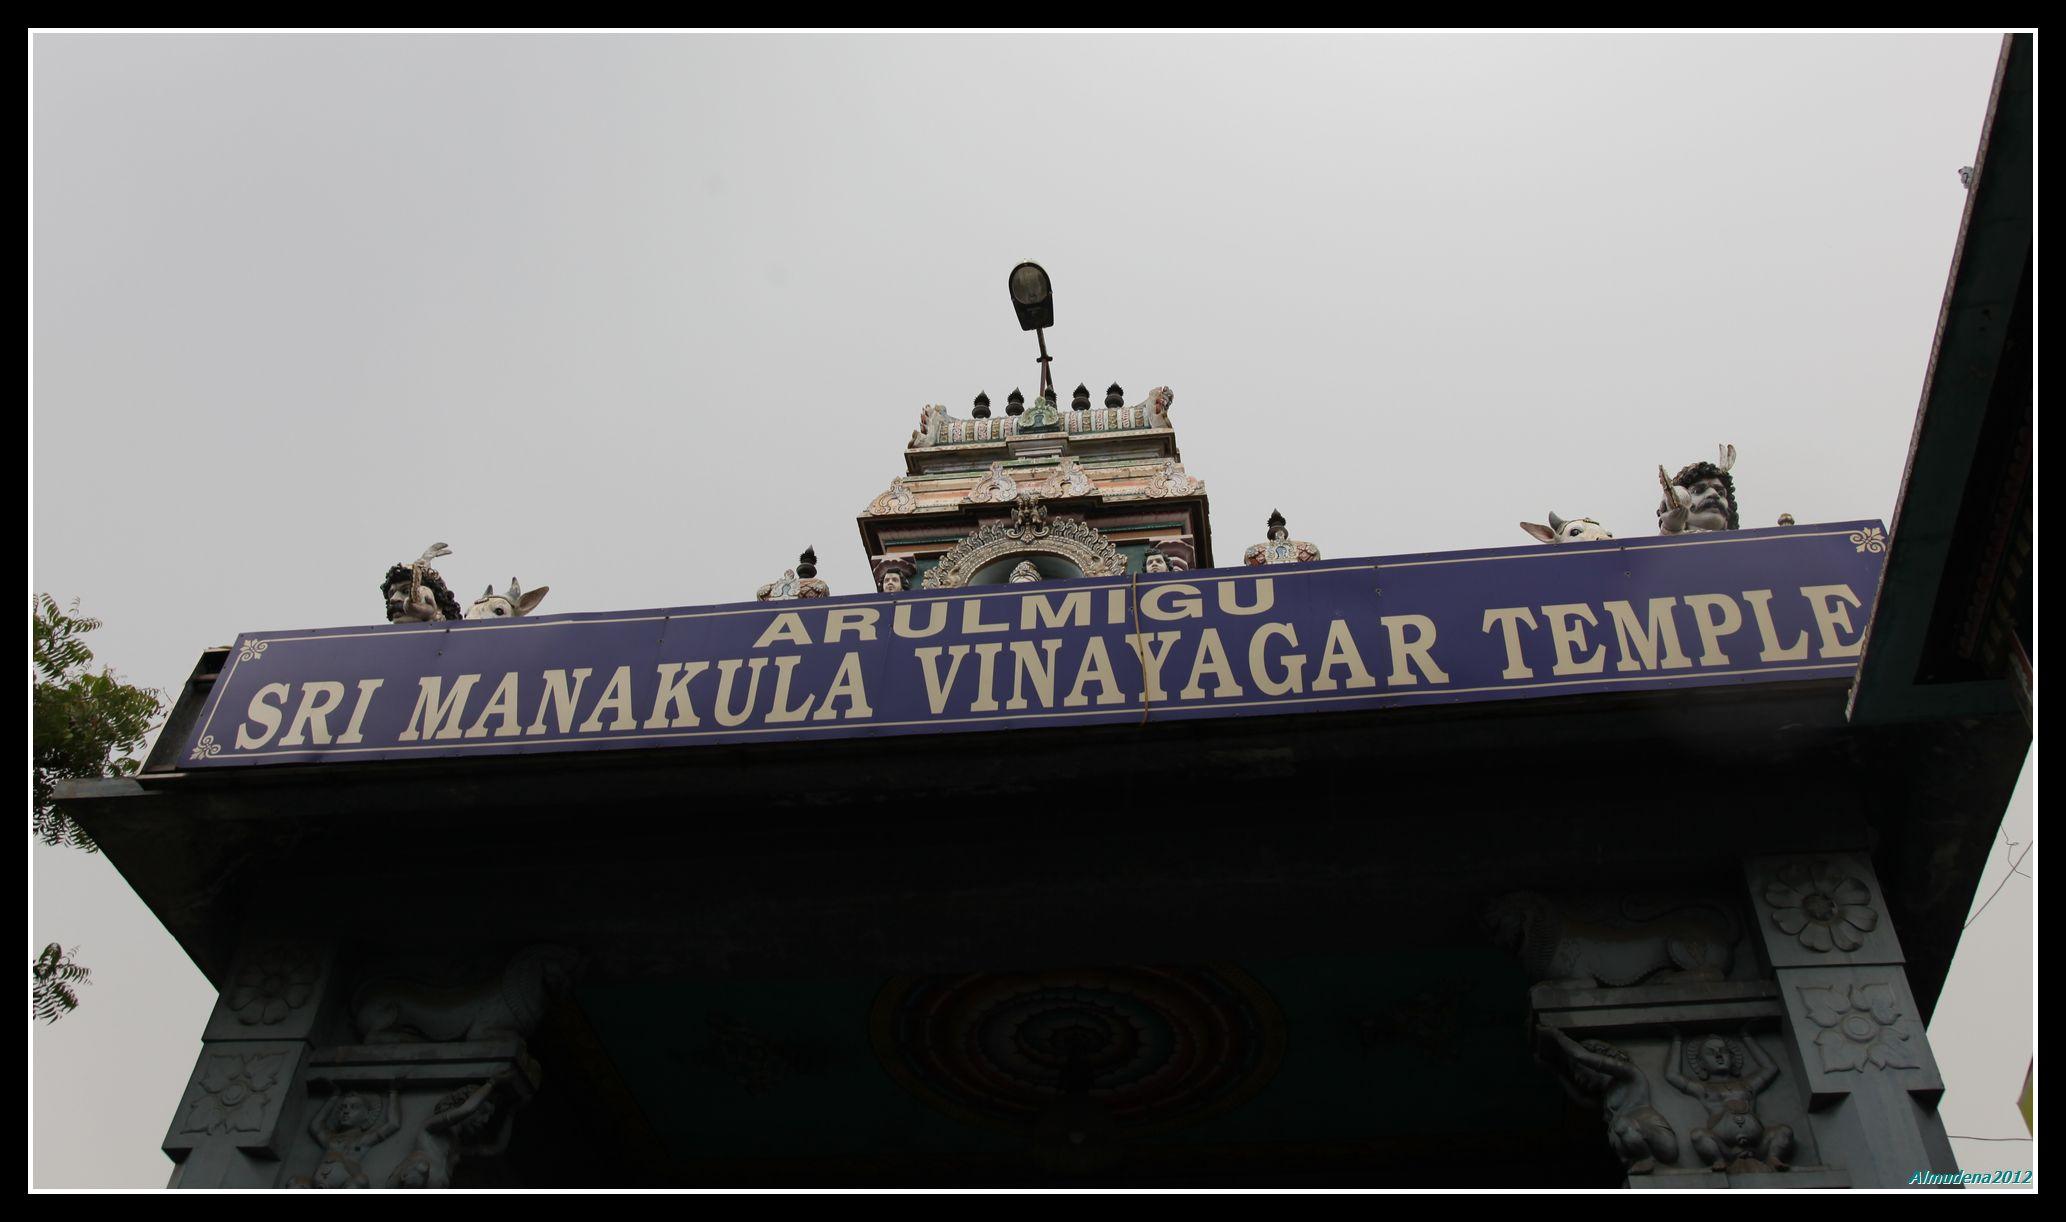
[(639, 317)]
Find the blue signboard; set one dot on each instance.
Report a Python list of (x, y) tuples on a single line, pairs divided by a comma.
[(1508, 623)]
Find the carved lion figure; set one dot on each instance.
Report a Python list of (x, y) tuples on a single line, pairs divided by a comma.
[(1612, 944), (395, 1009), (1158, 404)]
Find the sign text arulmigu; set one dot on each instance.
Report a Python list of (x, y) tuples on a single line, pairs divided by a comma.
[(1736, 607)]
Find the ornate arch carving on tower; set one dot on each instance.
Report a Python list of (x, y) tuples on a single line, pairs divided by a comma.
[(1029, 532)]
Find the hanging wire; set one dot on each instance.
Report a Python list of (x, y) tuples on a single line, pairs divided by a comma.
[(2013, 871)]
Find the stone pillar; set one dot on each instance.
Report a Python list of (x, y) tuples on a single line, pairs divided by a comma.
[(388, 1079), (1856, 1042), (242, 1108), (1773, 1044), (1654, 1012)]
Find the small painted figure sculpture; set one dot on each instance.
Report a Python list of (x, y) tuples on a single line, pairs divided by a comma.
[(1024, 572), (1280, 547), (893, 573), (360, 1124), (1042, 417), (799, 582), (415, 593), (1155, 562), (516, 602), (1734, 1139), (1567, 530), (1701, 497), (456, 1124), (1598, 1072)]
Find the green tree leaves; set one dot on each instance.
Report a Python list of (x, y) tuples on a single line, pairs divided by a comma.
[(54, 975), (86, 724)]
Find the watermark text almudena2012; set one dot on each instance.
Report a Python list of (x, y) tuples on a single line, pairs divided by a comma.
[(1971, 1177)]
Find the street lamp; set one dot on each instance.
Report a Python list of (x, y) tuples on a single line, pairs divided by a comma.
[(1034, 299)]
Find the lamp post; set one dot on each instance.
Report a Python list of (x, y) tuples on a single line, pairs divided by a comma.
[(1033, 297)]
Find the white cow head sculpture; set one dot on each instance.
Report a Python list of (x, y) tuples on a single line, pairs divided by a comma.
[(515, 602), (1567, 530)]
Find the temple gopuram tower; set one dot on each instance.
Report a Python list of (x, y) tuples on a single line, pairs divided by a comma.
[(1039, 493)]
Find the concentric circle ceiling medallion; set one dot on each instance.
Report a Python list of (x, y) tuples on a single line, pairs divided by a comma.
[(1153, 1048)]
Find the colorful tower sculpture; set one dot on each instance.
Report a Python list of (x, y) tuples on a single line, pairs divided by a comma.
[(1076, 491)]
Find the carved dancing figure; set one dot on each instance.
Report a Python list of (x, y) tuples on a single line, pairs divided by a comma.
[(455, 1124), (360, 1124), (1734, 1139), (1597, 1072), (1701, 497)]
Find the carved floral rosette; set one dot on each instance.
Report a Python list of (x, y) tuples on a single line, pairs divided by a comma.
[(1821, 909), (1822, 905), (271, 983), (233, 1092), (1860, 1025)]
